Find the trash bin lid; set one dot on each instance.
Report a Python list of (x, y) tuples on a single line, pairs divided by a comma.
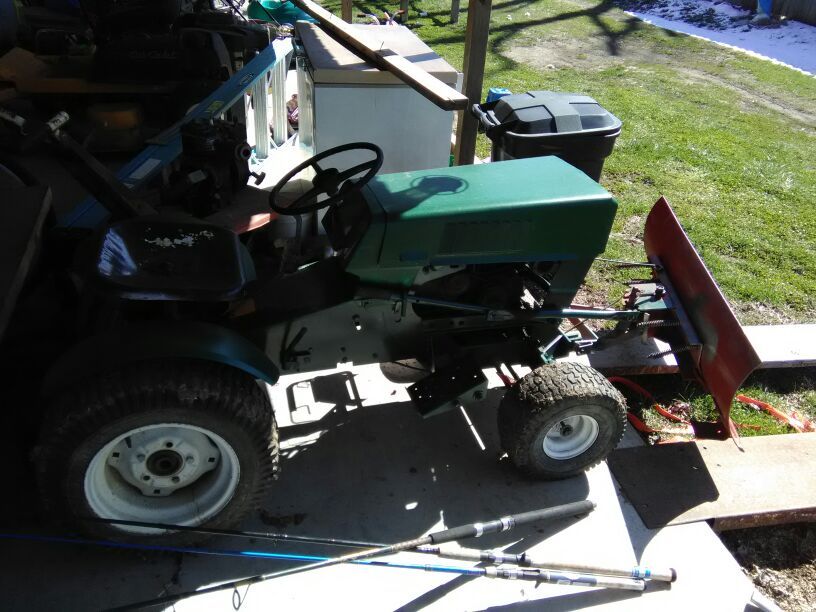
[(548, 112)]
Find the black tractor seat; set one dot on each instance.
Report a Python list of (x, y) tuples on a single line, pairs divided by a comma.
[(158, 258)]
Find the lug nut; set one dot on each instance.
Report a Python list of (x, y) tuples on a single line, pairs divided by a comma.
[(140, 457)]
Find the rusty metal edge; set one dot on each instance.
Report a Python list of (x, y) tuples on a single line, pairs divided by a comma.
[(763, 519)]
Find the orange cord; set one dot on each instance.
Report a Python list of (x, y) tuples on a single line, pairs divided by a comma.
[(800, 424), (689, 431)]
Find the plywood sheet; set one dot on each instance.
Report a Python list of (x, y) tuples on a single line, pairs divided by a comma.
[(669, 484)]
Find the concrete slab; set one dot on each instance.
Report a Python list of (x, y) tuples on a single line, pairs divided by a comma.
[(364, 465)]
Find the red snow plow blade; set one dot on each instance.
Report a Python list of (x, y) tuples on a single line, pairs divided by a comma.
[(715, 350)]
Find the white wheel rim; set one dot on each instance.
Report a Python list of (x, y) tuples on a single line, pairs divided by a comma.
[(162, 473), (570, 437)]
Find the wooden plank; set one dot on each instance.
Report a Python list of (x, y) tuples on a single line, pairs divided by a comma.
[(22, 219), (476, 37), (373, 50), (778, 346), (772, 480), (784, 346), (631, 357), (331, 62)]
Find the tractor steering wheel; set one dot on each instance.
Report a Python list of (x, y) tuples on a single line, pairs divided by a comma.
[(329, 181)]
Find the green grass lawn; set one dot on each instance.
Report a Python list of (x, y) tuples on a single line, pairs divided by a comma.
[(730, 140)]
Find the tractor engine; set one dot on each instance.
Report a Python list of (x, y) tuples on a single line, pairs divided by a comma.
[(213, 166), (498, 286)]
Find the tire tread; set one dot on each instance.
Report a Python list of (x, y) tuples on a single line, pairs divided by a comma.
[(527, 403), (83, 409)]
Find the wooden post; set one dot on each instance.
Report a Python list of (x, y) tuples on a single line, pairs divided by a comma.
[(454, 11), (345, 11), (404, 7), (478, 28)]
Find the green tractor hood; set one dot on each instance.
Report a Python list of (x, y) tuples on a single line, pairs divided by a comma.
[(527, 210)]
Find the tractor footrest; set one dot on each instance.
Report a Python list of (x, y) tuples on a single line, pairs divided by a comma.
[(447, 388)]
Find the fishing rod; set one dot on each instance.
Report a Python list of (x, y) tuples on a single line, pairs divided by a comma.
[(525, 560), (534, 575), (213, 552), (235, 533), (464, 554), (473, 530)]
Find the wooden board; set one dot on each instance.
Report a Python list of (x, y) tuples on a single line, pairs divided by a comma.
[(631, 357), (22, 218), (778, 346), (772, 480), (784, 346), (331, 62), (374, 51)]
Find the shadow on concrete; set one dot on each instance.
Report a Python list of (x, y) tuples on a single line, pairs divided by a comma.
[(376, 473), (572, 601), (642, 473)]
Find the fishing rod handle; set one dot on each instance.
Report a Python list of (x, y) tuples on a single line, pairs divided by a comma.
[(642, 572), (570, 579), (509, 522), (499, 558)]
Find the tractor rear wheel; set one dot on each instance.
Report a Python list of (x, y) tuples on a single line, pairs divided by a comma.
[(561, 419), (186, 443)]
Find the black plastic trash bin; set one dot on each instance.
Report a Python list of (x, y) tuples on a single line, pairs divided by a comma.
[(572, 126)]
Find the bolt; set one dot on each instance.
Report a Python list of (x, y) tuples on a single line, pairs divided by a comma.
[(175, 479), (168, 444), (189, 459), (140, 457)]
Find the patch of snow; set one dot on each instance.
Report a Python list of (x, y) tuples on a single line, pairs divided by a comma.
[(789, 43)]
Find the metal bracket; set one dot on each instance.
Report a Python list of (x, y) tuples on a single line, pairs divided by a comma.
[(448, 388)]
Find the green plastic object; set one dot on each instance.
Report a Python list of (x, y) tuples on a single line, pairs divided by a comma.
[(539, 209), (282, 12)]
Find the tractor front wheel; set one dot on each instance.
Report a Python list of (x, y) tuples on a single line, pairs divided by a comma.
[(561, 419), (183, 443)]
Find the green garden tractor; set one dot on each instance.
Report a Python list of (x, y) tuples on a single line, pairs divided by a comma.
[(157, 405)]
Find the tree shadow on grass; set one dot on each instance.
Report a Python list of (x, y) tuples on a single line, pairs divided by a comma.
[(600, 15)]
